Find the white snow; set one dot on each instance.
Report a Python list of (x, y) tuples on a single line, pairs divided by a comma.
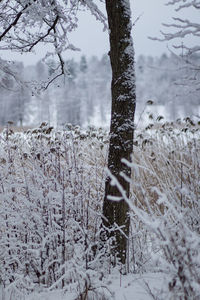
[(121, 287)]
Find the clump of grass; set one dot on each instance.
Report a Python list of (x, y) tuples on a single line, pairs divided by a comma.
[(51, 189), (166, 158), (165, 207)]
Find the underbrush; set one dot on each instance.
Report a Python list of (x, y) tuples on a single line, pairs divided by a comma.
[(51, 194), (165, 205)]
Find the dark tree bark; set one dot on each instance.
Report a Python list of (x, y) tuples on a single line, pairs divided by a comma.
[(122, 119)]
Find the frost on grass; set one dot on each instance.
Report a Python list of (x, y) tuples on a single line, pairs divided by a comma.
[(51, 191)]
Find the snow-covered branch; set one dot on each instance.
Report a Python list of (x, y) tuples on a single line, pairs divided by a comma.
[(182, 27), (25, 24)]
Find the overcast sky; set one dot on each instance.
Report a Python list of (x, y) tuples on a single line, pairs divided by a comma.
[(91, 39)]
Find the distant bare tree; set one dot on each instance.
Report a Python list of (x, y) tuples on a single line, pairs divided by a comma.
[(178, 30)]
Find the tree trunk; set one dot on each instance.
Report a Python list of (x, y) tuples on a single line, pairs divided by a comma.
[(122, 119)]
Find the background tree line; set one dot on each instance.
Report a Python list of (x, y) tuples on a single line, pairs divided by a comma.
[(83, 97)]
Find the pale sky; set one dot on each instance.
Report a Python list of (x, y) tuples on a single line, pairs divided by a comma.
[(91, 39)]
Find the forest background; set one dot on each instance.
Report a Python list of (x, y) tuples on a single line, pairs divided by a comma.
[(83, 96)]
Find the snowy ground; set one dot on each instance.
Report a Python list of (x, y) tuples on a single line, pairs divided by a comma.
[(130, 287), (136, 286)]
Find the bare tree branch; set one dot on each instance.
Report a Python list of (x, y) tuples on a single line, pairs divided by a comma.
[(18, 16), (45, 35)]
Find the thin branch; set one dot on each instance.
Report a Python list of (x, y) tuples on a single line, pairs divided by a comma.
[(13, 23), (137, 19), (45, 35)]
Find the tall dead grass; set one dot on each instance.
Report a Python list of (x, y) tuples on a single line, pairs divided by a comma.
[(51, 193)]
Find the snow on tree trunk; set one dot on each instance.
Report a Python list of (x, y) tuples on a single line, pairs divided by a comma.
[(122, 119)]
